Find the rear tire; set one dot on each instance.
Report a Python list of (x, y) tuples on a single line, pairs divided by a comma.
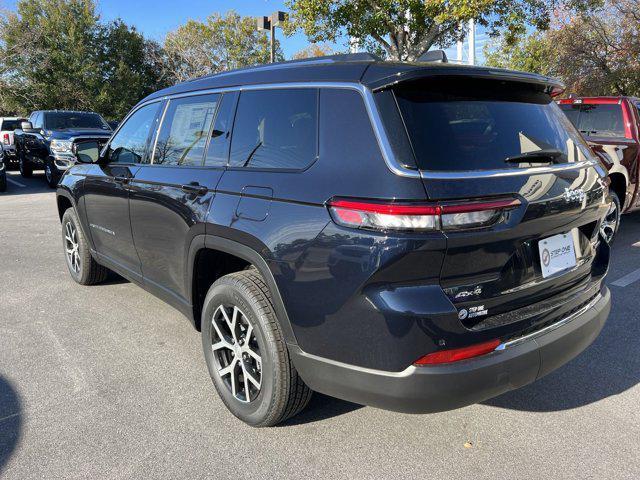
[(248, 331), (82, 267), (26, 169), (611, 223)]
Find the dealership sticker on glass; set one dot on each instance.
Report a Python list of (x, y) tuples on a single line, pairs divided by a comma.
[(557, 254)]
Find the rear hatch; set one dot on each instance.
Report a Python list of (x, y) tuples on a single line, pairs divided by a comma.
[(479, 140)]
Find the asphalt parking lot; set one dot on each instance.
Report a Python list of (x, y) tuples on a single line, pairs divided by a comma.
[(109, 382)]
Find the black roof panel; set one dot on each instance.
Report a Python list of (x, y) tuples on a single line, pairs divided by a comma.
[(361, 68)]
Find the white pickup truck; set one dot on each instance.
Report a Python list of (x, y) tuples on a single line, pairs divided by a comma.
[(7, 126)]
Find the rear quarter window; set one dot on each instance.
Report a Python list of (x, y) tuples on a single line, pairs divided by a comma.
[(275, 129), (458, 125)]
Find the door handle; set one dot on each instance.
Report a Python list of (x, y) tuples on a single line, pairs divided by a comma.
[(194, 188), (122, 180)]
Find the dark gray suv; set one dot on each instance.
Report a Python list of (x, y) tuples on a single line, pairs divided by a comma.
[(412, 236)]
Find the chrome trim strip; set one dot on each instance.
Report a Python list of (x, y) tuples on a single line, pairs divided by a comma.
[(549, 328), (378, 127), (507, 172)]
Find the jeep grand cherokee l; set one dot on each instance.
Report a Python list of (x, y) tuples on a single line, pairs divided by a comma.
[(416, 237)]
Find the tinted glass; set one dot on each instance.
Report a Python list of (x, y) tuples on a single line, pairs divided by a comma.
[(275, 129), (130, 143), (184, 131), (10, 125), (37, 120), (218, 153), (459, 125), (597, 120), (64, 120)]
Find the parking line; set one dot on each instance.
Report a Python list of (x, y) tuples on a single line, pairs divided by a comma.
[(628, 279), (18, 184)]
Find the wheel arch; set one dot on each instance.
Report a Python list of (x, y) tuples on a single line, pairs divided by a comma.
[(246, 256), (619, 183)]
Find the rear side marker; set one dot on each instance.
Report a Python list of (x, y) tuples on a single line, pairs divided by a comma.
[(457, 354)]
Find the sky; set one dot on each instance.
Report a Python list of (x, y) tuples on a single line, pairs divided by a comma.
[(155, 18)]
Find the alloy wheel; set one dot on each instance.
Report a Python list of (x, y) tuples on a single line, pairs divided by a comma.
[(609, 225), (236, 353), (71, 247)]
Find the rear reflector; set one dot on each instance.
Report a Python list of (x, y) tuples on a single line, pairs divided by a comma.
[(417, 216), (457, 354)]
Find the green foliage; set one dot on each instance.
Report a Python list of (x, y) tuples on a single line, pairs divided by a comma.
[(594, 53), (529, 53), (219, 43), (408, 28), (57, 54)]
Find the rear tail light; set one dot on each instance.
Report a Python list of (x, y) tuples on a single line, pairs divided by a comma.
[(457, 354), (5, 139), (417, 216)]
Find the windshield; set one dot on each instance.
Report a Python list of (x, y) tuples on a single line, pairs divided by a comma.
[(10, 125), (64, 120), (471, 124), (603, 120)]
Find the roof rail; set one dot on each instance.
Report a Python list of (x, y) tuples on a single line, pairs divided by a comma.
[(341, 57)]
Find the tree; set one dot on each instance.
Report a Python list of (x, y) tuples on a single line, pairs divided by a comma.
[(405, 29), (48, 49), (219, 43), (594, 54), (57, 54), (313, 50), (131, 67), (529, 53)]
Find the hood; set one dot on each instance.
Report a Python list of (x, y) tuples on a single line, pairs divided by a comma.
[(80, 132)]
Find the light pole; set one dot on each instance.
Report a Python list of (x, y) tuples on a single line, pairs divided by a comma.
[(269, 24)]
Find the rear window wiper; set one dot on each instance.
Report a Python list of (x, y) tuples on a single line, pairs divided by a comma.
[(539, 156)]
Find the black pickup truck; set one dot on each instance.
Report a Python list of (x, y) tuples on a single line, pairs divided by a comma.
[(46, 140)]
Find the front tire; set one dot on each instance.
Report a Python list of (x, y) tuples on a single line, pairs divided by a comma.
[(246, 353), (52, 174), (26, 169), (82, 267)]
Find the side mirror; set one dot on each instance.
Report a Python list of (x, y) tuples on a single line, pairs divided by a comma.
[(26, 126), (87, 152)]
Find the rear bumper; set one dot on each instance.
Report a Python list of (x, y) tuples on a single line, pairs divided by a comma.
[(446, 387)]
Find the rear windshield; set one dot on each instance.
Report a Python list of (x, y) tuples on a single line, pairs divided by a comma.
[(603, 120), (10, 125), (64, 120), (471, 124)]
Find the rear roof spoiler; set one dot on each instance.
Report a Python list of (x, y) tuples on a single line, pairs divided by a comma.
[(552, 85)]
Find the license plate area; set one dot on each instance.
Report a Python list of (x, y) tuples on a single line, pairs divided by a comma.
[(557, 254)]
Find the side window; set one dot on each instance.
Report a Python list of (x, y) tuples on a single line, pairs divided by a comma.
[(37, 120), (130, 143), (275, 129), (184, 130), (218, 152)]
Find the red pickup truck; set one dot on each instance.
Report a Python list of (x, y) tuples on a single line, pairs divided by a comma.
[(611, 125)]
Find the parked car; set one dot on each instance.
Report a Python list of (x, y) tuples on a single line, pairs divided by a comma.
[(7, 127), (3, 172), (46, 140), (413, 236), (611, 126)]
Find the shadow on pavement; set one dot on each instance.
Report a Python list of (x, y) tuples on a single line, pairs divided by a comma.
[(320, 408), (10, 421), (16, 185)]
